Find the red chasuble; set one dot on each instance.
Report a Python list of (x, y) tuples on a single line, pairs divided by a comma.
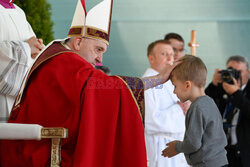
[(100, 112)]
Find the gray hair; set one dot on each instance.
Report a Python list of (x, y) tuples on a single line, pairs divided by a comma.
[(238, 58)]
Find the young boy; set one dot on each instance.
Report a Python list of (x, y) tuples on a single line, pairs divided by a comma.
[(204, 141)]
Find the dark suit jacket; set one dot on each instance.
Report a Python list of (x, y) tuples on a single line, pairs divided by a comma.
[(241, 100)]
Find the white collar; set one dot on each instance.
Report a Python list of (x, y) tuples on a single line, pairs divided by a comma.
[(243, 87)]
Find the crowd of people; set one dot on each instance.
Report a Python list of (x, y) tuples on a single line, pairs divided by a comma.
[(182, 123)]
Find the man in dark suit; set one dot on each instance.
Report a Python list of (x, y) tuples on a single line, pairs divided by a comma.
[(233, 101)]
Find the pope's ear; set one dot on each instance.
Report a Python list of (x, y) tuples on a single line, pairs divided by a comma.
[(77, 42)]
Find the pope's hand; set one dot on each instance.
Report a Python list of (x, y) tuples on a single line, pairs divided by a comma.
[(165, 73)]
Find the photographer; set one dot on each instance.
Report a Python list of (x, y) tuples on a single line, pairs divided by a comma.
[(232, 97)]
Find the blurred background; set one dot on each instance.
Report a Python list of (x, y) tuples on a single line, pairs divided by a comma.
[(223, 29)]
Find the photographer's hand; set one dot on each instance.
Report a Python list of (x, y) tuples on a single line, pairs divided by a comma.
[(216, 77), (229, 88)]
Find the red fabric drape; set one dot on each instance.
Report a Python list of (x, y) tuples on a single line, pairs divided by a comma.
[(105, 127)]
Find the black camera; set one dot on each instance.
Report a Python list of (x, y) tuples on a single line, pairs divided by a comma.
[(228, 75)]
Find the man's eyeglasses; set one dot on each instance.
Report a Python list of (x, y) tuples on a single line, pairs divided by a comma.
[(178, 50)]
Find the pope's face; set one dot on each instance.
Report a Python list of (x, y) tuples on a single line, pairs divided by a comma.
[(92, 50)]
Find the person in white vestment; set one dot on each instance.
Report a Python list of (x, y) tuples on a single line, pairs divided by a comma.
[(164, 114), (177, 42), (18, 44)]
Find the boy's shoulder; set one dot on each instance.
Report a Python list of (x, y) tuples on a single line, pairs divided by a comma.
[(203, 101), (206, 106)]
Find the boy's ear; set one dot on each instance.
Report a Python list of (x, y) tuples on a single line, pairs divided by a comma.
[(188, 84)]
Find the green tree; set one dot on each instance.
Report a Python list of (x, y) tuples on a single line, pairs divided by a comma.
[(38, 14)]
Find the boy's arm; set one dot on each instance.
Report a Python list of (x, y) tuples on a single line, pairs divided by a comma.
[(170, 150), (193, 135)]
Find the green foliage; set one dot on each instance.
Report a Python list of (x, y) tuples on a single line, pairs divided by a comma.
[(38, 14)]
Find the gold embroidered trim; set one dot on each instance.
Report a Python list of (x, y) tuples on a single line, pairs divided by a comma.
[(131, 95), (54, 133), (74, 28), (96, 33), (55, 152), (91, 27)]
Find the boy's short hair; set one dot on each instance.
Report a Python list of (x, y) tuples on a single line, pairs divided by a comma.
[(152, 45), (192, 69)]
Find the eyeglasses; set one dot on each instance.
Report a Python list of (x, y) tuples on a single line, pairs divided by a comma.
[(178, 50)]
